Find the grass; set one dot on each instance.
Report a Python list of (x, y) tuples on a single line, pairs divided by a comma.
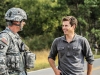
[(42, 60), (96, 56)]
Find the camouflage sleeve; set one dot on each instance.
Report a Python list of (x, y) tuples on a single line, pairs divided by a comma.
[(4, 43)]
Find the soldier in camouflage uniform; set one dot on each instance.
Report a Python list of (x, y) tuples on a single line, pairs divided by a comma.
[(11, 51)]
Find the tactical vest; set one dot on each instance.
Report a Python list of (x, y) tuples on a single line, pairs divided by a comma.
[(18, 57), (15, 58)]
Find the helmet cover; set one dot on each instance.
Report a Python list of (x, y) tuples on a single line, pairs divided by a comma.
[(15, 14)]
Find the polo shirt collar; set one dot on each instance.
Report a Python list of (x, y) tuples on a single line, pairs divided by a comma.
[(74, 38)]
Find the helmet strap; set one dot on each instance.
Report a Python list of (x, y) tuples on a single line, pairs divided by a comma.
[(16, 24), (21, 28), (11, 22)]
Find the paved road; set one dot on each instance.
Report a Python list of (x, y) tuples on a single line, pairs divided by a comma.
[(49, 71)]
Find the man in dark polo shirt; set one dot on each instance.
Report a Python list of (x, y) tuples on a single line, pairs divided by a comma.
[(71, 49)]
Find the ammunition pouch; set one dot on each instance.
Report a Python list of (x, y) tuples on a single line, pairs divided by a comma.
[(3, 70), (3, 67), (29, 59), (13, 61)]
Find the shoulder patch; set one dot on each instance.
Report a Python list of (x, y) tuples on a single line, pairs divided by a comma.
[(4, 40)]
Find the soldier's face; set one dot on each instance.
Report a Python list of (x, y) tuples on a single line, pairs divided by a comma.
[(22, 25)]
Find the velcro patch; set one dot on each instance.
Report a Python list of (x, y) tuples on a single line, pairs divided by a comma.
[(1, 46)]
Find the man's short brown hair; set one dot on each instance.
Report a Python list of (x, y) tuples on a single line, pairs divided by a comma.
[(71, 19)]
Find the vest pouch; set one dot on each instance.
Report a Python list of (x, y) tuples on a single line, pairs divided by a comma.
[(13, 62), (17, 59), (29, 59), (3, 70)]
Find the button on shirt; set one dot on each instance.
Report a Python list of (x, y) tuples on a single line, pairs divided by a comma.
[(71, 55)]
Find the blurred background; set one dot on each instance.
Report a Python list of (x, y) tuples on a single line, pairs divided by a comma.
[(44, 21)]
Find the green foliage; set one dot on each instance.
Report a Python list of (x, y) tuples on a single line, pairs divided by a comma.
[(44, 17), (4, 6), (39, 42)]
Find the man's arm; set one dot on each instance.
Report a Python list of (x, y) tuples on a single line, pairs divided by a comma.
[(89, 69), (52, 57), (52, 64), (3, 50), (88, 56)]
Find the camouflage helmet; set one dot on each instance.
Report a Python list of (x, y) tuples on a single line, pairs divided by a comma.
[(15, 14)]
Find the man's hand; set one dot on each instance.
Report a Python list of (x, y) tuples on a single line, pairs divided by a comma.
[(57, 72)]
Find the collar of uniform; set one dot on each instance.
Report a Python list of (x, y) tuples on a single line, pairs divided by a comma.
[(13, 34), (74, 38)]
